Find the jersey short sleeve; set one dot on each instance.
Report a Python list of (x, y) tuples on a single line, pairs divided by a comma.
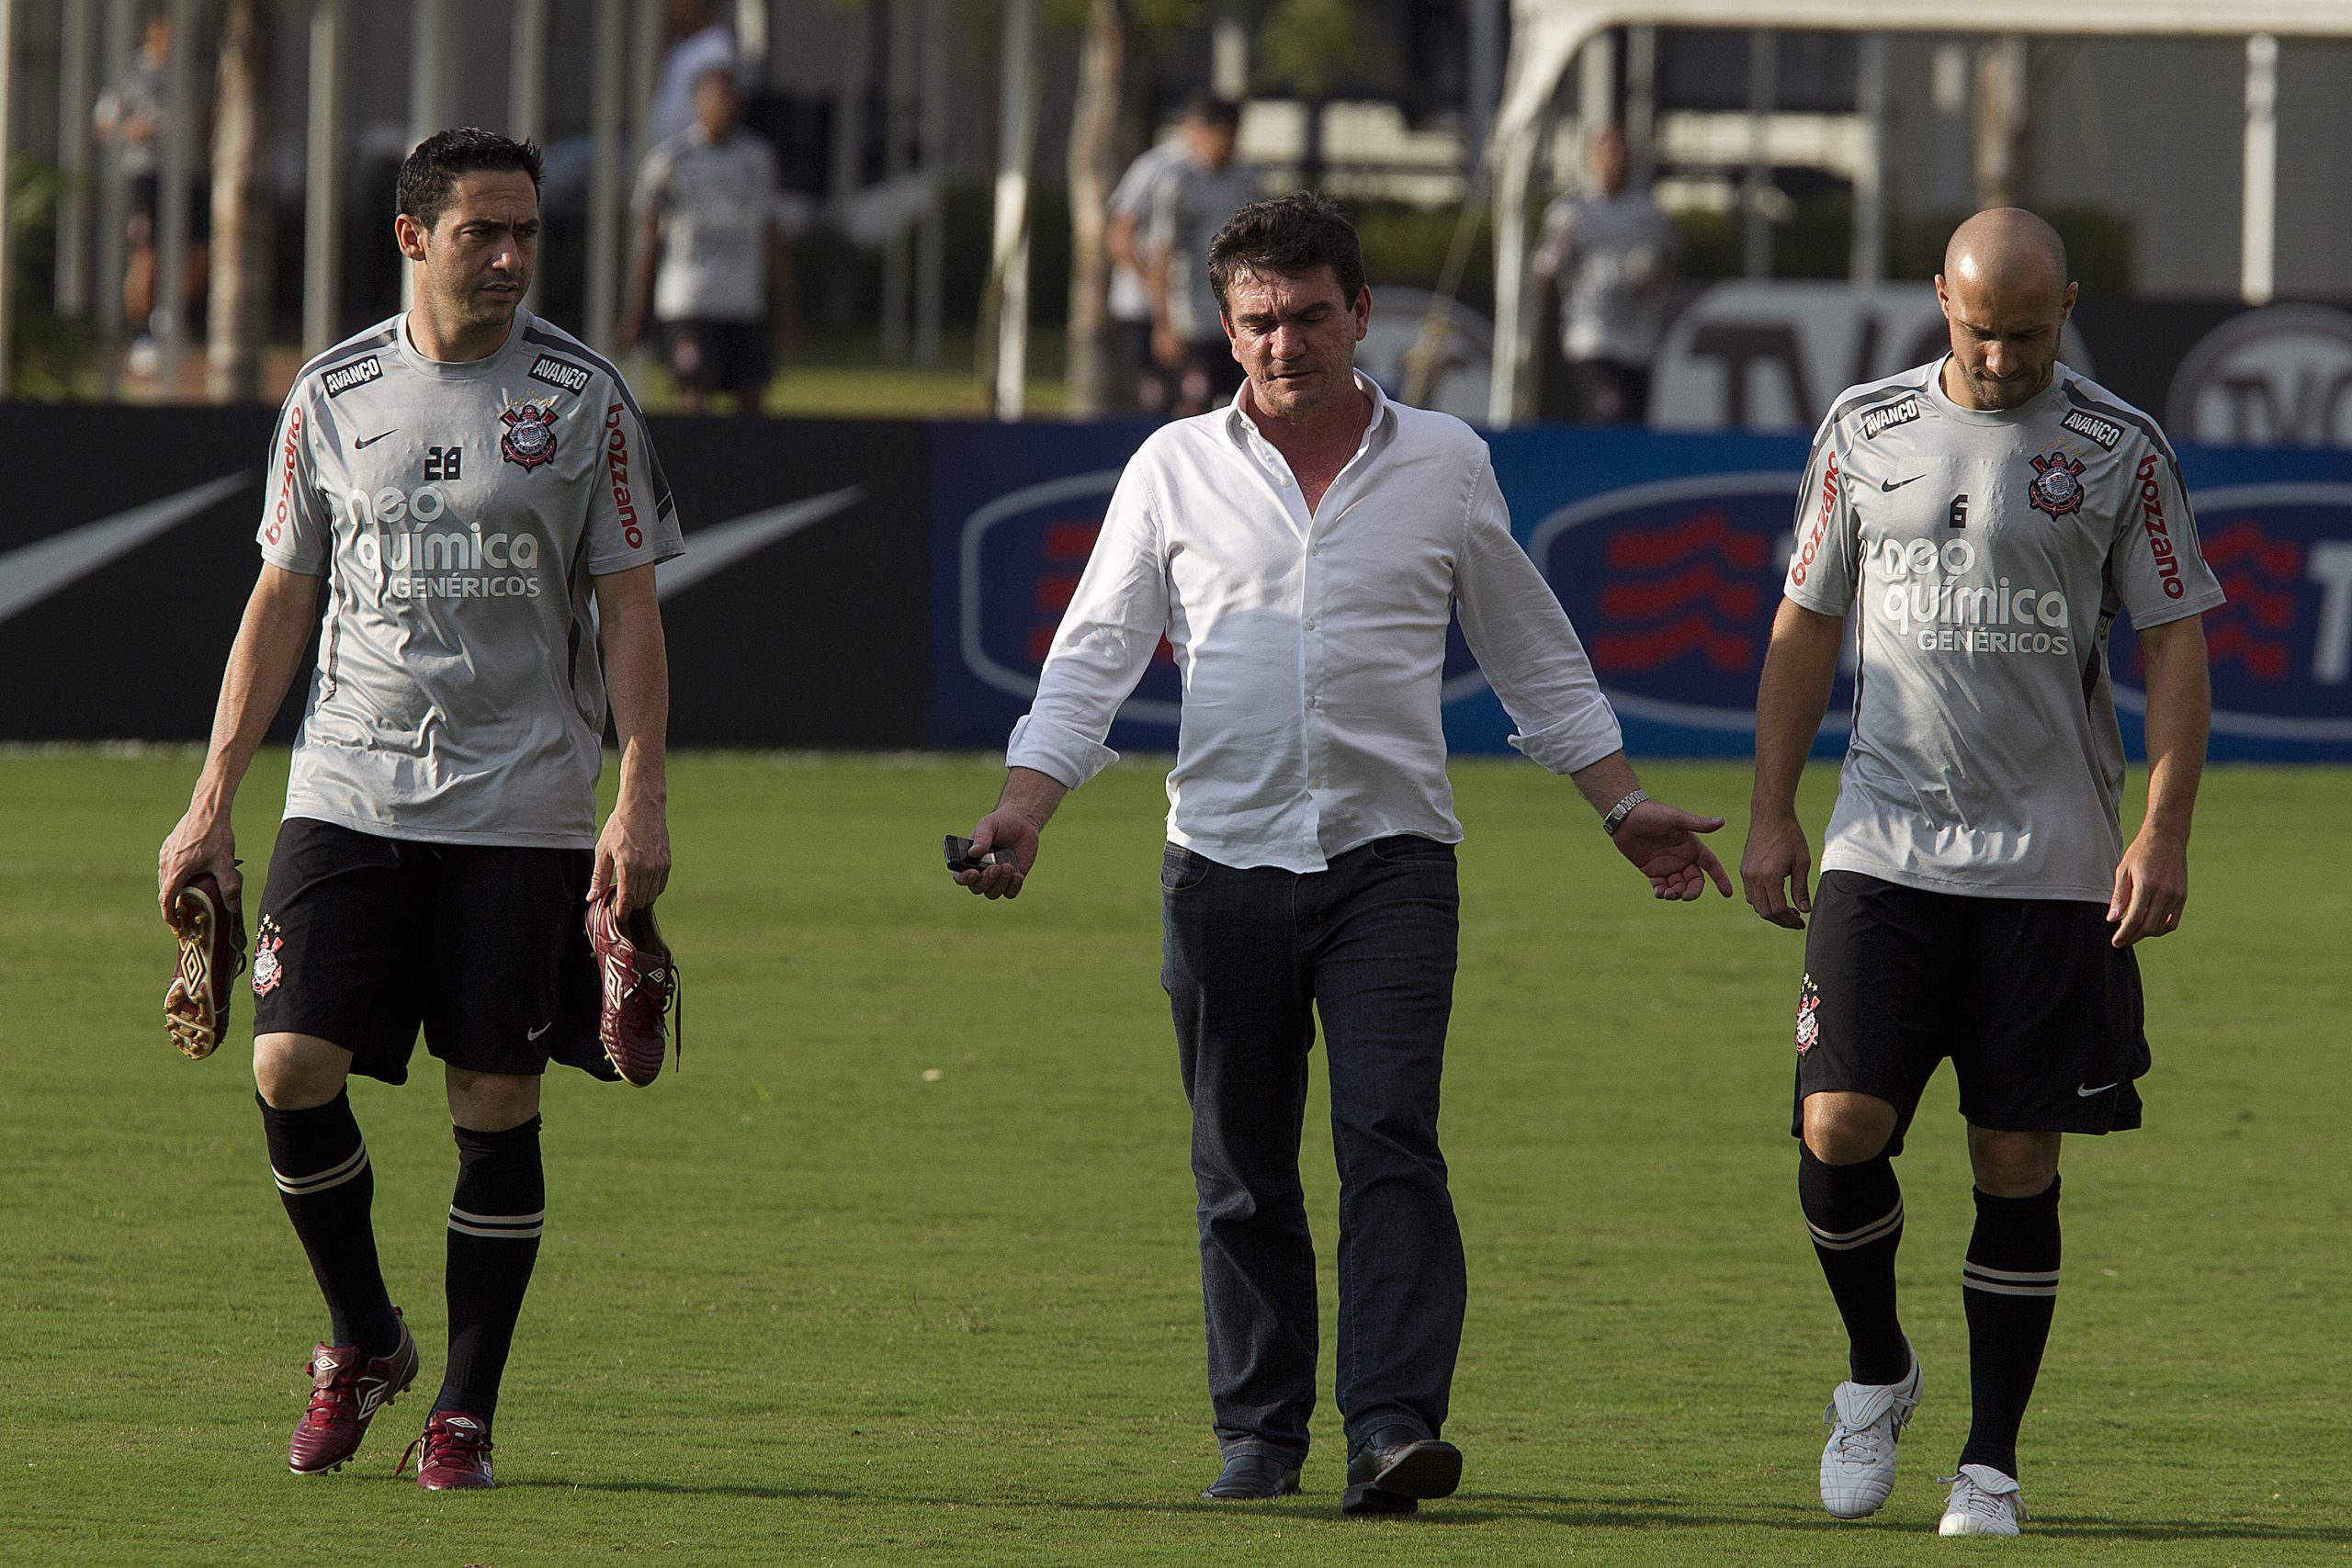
[(632, 519), (297, 530), (1825, 565), (2156, 563)]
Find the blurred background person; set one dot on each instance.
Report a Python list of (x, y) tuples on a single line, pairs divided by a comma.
[(1189, 203), (699, 42), (1609, 249), (134, 117), (1130, 307), (711, 253)]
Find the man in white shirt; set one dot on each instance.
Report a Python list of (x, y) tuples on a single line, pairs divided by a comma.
[(1609, 251), (711, 257), (699, 43), (1301, 549)]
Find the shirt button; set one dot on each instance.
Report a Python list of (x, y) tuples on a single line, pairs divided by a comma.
[(1312, 702), (1310, 625)]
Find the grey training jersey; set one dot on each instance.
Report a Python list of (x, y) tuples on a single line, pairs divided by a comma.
[(458, 513), (1990, 553)]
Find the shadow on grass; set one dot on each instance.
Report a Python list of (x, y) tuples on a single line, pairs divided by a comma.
[(1477, 1508)]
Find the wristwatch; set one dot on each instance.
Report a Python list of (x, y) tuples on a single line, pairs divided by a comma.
[(1623, 809)]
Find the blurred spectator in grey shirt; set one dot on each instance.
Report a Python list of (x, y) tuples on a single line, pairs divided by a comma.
[(1191, 203), (1122, 236), (1609, 251)]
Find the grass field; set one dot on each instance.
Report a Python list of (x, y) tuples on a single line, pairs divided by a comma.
[(899, 1268)]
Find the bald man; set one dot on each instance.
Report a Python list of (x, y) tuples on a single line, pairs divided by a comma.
[(1983, 519)]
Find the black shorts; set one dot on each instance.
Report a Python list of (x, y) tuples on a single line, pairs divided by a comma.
[(720, 357), (2040, 1016), (363, 937)]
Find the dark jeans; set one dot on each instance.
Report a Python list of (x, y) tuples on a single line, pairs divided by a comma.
[(1251, 958)]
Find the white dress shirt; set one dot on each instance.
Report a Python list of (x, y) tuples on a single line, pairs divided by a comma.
[(1312, 649)]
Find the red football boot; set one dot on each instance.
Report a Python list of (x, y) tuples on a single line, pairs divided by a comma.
[(455, 1456), (640, 978), (346, 1390)]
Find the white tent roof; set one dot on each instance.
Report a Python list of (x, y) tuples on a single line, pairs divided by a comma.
[(1546, 34)]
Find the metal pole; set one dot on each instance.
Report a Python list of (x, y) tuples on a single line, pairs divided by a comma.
[(322, 184), (1641, 105), (75, 79), (1486, 80), (431, 90), (645, 53), (114, 205), (526, 92), (1756, 232), (7, 79), (1596, 91), (1869, 263), (2258, 243), (174, 207), (526, 72), (604, 106), (897, 134), (1017, 143), (930, 259)]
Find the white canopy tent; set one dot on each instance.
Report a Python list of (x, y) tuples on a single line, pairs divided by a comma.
[(1546, 35)]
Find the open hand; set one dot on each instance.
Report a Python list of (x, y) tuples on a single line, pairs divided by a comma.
[(1663, 843), (2151, 890)]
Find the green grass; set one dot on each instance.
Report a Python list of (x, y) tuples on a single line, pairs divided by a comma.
[(802, 1301)]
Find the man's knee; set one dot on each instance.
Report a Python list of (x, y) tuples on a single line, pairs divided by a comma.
[(492, 1103), (299, 1072), (1845, 1128), (2012, 1165)]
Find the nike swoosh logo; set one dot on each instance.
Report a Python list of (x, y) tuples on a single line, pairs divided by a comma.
[(720, 545), (534, 1034), (31, 573), (359, 445), (2086, 1093), (1882, 484)]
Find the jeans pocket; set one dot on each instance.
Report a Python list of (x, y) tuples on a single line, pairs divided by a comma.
[(1180, 870), (1407, 848)]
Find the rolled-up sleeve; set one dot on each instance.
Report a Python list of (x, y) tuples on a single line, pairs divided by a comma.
[(1108, 636), (1524, 642)]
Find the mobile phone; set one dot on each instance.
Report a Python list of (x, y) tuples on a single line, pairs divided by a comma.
[(959, 856)]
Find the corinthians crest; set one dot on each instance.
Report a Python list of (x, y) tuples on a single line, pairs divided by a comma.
[(1808, 1020), (2057, 486), (530, 434)]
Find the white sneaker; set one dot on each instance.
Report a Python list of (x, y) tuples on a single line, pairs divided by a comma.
[(1982, 1502), (1866, 1421)]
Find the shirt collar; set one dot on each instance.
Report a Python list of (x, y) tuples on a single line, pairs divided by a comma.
[(1247, 436)]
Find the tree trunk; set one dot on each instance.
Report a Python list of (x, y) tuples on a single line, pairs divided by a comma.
[(1110, 122), (239, 282)]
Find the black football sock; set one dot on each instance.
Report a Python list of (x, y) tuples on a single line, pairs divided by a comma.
[(495, 1217), (1855, 1213), (2012, 1291), (328, 1187)]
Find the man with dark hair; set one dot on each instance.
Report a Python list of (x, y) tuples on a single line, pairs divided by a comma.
[(1301, 549), (1190, 204), (476, 490), (1982, 519)]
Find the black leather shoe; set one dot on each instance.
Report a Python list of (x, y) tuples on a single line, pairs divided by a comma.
[(1395, 1469), (1251, 1476)]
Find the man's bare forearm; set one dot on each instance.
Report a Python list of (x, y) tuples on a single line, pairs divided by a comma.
[(1033, 794), (1800, 666), (637, 675), (262, 664), (2180, 714)]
